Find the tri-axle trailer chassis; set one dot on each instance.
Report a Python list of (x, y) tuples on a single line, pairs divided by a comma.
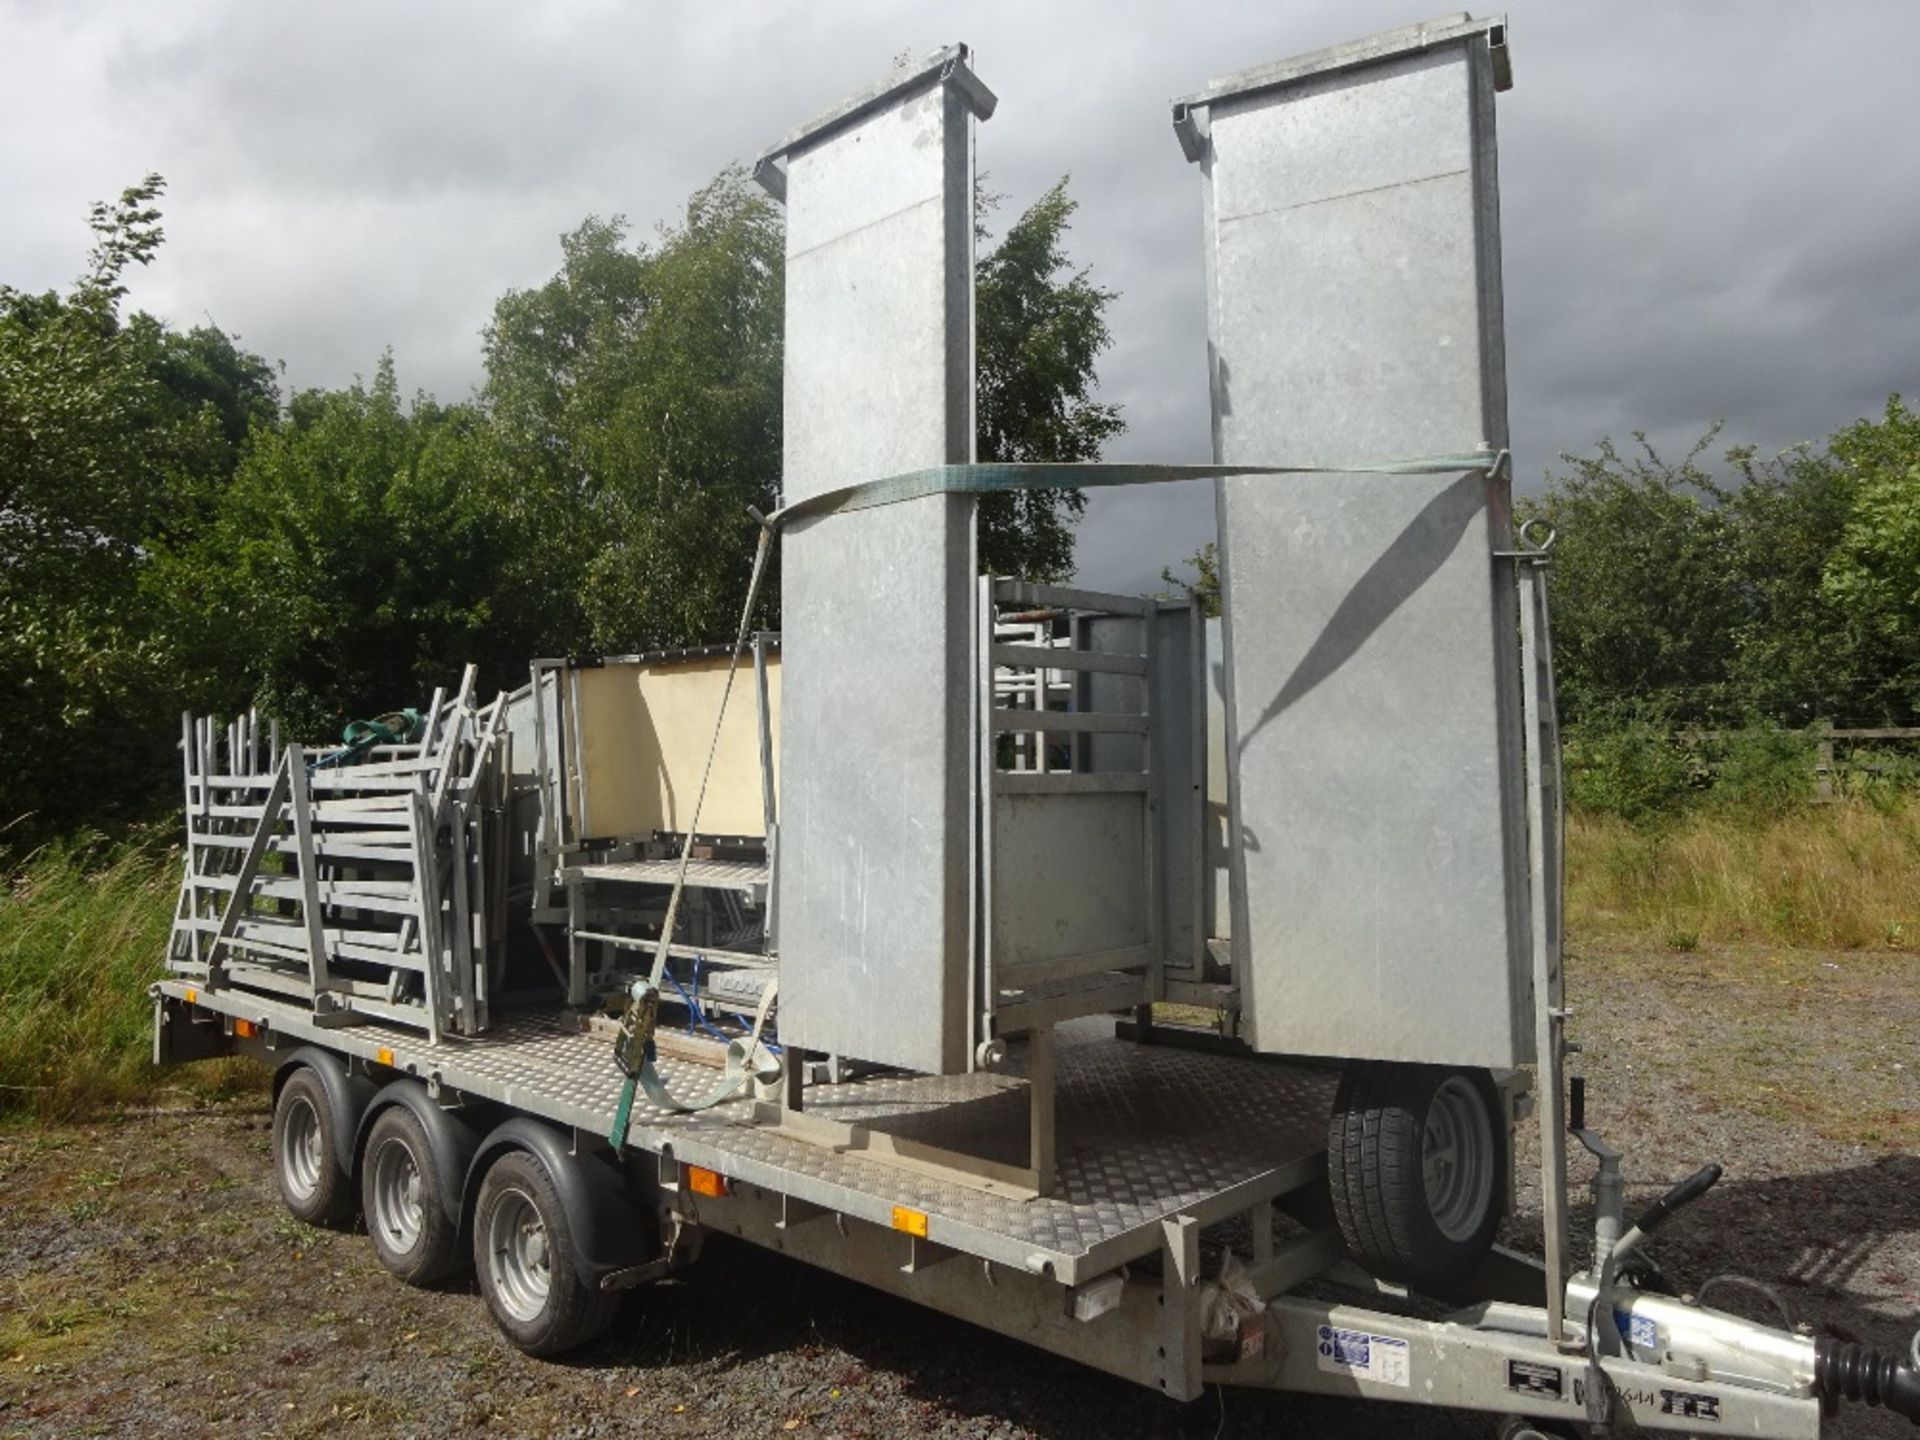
[(1186, 1241)]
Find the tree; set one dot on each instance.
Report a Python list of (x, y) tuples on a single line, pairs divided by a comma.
[(352, 564), (1782, 593), (1873, 576), (1205, 585), (1642, 605), (112, 435), (1791, 659), (637, 397), (1040, 326), (637, 400)]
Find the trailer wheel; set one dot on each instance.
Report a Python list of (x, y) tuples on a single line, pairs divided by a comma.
[(314, 1184), (530, 1272), (1416, 1155), (407, 1217)]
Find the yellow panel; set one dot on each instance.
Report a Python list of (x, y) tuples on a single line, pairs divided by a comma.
[(644, 732)]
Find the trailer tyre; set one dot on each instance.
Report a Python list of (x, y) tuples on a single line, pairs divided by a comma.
[(306, 1160), (1416, 1157), (529, 1268), (400, 1194)]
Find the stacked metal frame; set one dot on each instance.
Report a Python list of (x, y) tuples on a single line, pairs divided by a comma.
[(372, 888), (1378, 844)]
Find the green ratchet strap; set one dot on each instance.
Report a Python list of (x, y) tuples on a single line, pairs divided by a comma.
[(997, 478), (748, 1059)]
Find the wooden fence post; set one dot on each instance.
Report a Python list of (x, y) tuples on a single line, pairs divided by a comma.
[(1823, 760)]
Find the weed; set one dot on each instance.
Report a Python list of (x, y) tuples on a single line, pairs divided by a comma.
[(60, 1319), (294, 1233)]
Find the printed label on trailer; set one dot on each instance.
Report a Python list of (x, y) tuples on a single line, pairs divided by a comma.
[(1639, 1331), (1531, 1377), (1690, 1403), (1365, 1356)]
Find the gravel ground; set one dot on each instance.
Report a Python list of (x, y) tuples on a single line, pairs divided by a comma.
[(150, 1284)]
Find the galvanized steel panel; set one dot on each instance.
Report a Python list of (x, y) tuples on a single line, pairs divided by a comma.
[(1173, 698), (1069, 878), (1377, 846), (874, 893)]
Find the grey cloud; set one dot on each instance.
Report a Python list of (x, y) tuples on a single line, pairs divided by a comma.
[(1709, 209)]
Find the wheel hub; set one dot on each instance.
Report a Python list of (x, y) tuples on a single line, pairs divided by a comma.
[(1457, 1159), (396, 1196), (519, 1257), (302, 1153)]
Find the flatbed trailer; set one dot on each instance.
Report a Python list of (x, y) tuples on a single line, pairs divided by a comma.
[(1179, 1159), (994, 850)]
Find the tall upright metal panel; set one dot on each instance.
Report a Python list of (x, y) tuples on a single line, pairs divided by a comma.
[(876, 841), (1378, 844)]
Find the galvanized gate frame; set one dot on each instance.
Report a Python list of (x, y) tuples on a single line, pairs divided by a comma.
[(1546, 847)]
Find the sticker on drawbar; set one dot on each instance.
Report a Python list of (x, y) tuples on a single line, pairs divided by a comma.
[(1365, 1356), (1531, 1377), (1691, 1403)]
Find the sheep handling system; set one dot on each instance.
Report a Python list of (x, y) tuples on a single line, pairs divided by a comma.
[(880, 965)]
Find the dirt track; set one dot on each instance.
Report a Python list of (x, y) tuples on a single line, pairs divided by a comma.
[(150, 1284)]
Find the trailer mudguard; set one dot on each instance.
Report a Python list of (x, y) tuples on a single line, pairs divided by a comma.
[(348, 1096), (613, 1228), (452, 1137)]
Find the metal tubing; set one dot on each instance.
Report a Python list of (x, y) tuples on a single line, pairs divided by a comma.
[(1548, 1004)]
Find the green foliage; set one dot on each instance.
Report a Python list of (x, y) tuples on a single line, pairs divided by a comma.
[(1874, 573), (1041, 326), (1763, 771), (1640, 604), (1205, 585), (114, 436), (351, 561), (1785, 587), (637, 399), (1625, 761)]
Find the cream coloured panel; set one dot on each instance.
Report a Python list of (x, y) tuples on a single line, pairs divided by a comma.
[(644, 731)]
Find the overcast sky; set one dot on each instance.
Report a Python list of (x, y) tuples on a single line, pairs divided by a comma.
[(1710, 210)]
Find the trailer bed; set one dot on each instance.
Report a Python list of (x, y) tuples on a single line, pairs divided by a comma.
[(1145, 1132)]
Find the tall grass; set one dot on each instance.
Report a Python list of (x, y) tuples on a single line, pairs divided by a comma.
[(1841, 876), (83, 931)]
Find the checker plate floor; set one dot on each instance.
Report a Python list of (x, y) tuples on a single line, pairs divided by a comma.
[(1143, 1132)]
